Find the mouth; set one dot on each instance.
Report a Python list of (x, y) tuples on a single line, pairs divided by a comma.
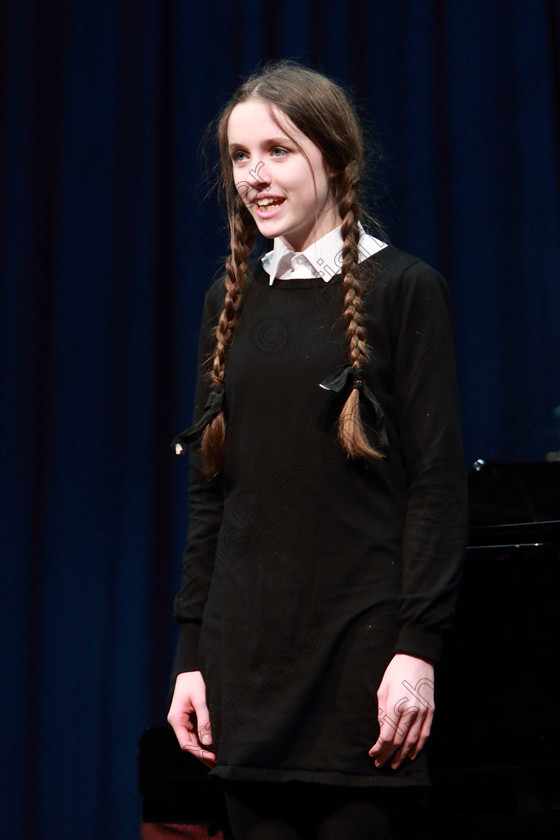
[(268, 206)]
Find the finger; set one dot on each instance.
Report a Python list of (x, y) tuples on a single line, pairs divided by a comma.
[(389, 731), (381, 752), (183, 733), (416, 737), (205, 756), (188, 742), (407, 746), (186, 737), (424, 734), (384, 744), (398, 735), (391, 736), (203, 724)]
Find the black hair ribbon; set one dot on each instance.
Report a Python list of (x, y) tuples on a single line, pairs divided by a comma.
[(214, 404), (339, 380)]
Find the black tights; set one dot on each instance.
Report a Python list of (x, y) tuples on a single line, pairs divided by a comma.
[(294, 811)]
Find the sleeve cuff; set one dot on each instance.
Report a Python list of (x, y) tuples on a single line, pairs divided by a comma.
[(419, 643), (186, 655)]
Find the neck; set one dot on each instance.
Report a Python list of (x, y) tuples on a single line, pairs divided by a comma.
[(320, 229)]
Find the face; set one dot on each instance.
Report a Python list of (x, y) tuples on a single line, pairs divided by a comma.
[(286, 188)]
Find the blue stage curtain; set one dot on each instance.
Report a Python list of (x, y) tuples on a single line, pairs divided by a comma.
[(107, 248)]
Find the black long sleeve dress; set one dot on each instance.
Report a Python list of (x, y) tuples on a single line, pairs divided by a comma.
[(305, 571)]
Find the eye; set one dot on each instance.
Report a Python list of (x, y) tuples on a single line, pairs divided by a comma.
[(278, 152), (238, 156)]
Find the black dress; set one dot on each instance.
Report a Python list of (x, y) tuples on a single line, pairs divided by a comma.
[(305, 571)]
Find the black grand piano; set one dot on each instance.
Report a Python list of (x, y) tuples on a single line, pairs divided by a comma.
[(495, 746)]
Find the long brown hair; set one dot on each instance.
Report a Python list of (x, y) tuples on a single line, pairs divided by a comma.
[(321, 110)]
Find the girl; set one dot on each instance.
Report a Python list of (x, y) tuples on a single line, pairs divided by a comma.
[(327, 489)]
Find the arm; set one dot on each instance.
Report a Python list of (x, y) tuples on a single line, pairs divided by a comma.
[(427, 412), (188, 713)]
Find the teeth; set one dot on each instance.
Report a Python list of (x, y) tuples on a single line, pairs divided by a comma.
[(264, 202)]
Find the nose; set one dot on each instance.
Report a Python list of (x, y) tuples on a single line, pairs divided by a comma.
[(259, 179), (259, 174)]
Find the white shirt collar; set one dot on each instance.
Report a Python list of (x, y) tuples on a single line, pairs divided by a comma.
[(322, 259)]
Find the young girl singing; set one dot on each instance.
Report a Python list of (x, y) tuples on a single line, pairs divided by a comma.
[(327, 489)]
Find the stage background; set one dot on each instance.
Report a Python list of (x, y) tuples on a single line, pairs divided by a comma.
[(107, 249)]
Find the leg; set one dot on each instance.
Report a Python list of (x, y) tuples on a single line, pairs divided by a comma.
[(356, 819), (371, 814), (260, 811), (299, 811)]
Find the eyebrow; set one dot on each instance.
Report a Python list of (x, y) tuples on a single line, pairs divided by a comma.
[(269, 141)]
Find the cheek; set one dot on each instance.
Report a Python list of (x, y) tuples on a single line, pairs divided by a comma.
[(315, 191), (241, 185), (314, 182), (324, 183), (302, 183), (325, 193)]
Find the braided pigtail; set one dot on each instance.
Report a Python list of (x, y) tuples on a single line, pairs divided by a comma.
[(242, 241), (321, 110), (351, 431)]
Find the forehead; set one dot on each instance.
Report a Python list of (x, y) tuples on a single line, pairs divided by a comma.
[(256, 120)]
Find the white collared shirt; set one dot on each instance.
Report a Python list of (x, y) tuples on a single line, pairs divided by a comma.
[(322, 259)]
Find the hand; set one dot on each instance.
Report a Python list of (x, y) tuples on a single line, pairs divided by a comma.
[(406, 709), (188, 715)]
